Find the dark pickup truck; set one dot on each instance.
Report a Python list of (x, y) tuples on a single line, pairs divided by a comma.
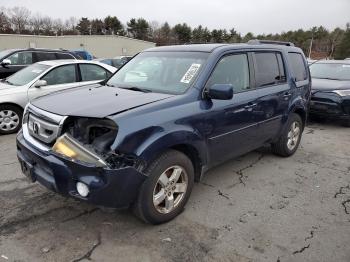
[(143, 137)]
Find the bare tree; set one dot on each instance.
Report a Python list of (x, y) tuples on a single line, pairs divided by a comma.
[(47, 25), (19, 17), (5, 26), (37, 23), (154, 30), (70, 25), (58, 26)]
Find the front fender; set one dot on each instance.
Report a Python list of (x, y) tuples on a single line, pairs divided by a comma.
[(157, 144), (148, 143)]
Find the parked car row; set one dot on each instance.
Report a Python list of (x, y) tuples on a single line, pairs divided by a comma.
[(13, 60), (142, 136)]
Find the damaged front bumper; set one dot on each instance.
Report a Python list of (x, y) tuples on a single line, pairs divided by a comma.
[(330, 105), (108, 187)]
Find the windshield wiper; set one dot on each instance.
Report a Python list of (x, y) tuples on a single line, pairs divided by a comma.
[(135, 88), (6, 81)]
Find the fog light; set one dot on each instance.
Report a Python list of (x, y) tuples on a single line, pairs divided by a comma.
[(82, 189)]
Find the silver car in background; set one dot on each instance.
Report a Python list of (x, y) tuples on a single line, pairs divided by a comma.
[(41, 79)]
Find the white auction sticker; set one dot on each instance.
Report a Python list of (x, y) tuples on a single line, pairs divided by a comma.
[(191, 72), (346, 65), (36, 71)]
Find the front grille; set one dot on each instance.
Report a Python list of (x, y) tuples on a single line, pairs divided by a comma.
[(42, 126), (42, 130)]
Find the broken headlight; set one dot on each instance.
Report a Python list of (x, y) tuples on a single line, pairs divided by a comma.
[(86, 139), (69, 147)]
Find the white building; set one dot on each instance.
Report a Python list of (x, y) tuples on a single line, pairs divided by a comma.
[(102, 46)]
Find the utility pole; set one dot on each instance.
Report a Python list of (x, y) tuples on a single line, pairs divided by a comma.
[(310, 47)]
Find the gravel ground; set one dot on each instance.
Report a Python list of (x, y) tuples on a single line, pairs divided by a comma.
[(258, 207)]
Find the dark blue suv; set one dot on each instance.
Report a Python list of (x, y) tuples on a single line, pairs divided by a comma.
[(143, 137)]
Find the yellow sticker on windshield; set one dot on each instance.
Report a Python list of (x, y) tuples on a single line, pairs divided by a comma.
[(191, 72)]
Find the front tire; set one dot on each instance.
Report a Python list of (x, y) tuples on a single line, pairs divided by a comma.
[(289, 141), (166, 190), (10, 119)]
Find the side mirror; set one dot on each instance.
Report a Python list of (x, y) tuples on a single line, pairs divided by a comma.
[(6, 62), (40, 83), (220, 92)]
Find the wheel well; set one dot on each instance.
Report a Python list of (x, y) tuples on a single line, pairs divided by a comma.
[(12, 104), (193, 155), (302, 114)]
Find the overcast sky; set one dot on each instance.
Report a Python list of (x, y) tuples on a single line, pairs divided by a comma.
[(257, 16)]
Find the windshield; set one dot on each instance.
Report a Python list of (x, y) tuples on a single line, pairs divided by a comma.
[(163, 72), (330, 71), (4, 53), (26, 75)]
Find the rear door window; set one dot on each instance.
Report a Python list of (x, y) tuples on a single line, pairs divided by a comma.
[(43, 56), (90, 72), (269, 69), (298, 66), (21, 58)]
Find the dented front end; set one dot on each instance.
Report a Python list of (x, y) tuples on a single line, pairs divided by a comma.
[(78, 162)]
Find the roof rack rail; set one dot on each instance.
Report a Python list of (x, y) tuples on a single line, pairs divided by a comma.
[(270, 42)]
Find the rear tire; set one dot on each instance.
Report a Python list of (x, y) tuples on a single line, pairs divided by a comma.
[(165, 192), (10, 119), (289, 141)]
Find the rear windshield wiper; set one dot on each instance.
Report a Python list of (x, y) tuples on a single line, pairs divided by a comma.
[(135, 88)]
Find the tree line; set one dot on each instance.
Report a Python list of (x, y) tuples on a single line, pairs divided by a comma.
[(318, 41)]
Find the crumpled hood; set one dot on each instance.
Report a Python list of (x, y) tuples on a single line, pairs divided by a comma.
[(95, 101), (329, 85)]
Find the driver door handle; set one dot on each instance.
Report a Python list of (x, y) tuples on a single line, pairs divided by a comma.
[(287, 94)]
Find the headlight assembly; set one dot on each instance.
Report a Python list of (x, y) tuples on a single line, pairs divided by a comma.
[(345, 92), (71, 148)]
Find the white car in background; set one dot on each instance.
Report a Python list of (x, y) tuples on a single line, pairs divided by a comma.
[(41, 79)]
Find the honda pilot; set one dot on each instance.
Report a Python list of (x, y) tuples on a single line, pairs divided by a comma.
[(143, 137)]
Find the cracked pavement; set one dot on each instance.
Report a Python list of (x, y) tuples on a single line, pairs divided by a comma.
[(258, 207)]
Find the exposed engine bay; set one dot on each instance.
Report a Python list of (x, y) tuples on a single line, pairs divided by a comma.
[(95, 136)]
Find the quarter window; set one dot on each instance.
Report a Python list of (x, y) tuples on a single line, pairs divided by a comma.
[(268, 69), (61, 75), (64, 56), (21, 58), (232, 69), (45, 56), (91, 72), (298, 66)]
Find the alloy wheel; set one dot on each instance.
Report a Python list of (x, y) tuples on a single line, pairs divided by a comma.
[(170, 189), (293, 135)]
